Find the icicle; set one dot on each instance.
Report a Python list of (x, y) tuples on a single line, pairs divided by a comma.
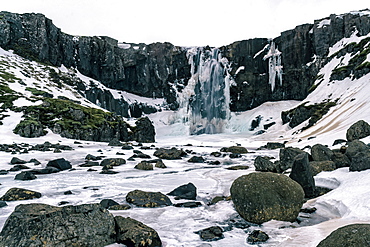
[(275, 66)]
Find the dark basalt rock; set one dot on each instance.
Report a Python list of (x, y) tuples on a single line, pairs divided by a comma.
[(120, 207), (160, 164), (106, 203), (18, 168), (257, 236), (319, 166), (112, 162), (235, 150), (263, 196), (355, 147), (188, 204), (16, 160), (358, 130), (212, 233), (169, 154), (340, 160), (133, 233), (148, 199), (321, 153), (46, 170), (302, 174), (144, 165), (61, 164), (350, 235), (238, 167), (264, 164), (361, 161), (196, 159), (287, 156), (17, 194), (108, 171), (3, 204), (25, 176), (186, 191), (143, 131), (46, 225)]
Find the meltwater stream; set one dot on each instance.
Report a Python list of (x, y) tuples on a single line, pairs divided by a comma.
[(205, 100)]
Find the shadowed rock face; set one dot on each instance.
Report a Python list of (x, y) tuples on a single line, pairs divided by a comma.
[(162, 69)]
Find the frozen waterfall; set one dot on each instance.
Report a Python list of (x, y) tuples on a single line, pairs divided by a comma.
[(275, 66), (205, 100)]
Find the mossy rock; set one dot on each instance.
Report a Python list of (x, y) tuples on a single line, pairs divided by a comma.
[(18, 194), (235, 150), (30, 128), (354, 235), (148, 199)]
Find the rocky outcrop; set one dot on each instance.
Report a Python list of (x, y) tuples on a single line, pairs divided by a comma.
[(350, 235), (260, 197)]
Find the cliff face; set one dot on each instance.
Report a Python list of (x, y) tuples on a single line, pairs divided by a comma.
[(262, 70)]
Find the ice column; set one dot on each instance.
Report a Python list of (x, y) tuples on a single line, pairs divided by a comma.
[(275, 67), (206, 97)]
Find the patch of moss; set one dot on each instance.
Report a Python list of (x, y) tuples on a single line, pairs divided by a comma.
[(35, 91), (319, 110), (8, 77), (363, 66), (7, 96)]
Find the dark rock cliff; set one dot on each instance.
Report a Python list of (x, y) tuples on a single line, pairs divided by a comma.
[(162, 69)]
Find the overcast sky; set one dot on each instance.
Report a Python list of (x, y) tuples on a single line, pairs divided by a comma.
[(183, 23)]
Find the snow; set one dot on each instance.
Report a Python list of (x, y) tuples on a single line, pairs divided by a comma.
[(323, 23), (239, 69), (345, 41)]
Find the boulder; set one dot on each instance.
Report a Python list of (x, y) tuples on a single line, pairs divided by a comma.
[(112, 162), (188, 204), (287, 157), (237, 167), (106, 203), (115, 143), (340, 160), (264, 164), (196, 159), (3, 204), (263, 196), (361, 161), (18, 168), (160, 164), (301, 173), (46, 225), (16, 161), (148, 199), (354, 235), (355, 147), (30, 129), (256, 237), (46, 170), (17, 194), (61, 164), (143, 131), (319, 166), (235, 150), (320, 153), (133, 233), (120, 207), (212, 233), (358, 130), (144, 165), (25, 175), (169, 154), (186, 191), (274, 145)]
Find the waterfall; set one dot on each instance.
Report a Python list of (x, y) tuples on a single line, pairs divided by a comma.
[(275, 66), (204, 102)]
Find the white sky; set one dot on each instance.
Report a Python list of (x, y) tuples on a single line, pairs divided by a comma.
[(183, 23)]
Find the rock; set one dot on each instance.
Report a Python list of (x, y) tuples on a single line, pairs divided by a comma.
[(112, 162), (16, 160), (169, 154), (360, 162), (319, 166), (160, 164), (354, 235), (30, 129), (46, 170), (46, 225), (216, 154), (302, 174), (139, 154), (287, 157), (108, 171), (320, 152), (25, 176), (144, 165), (133, 233), (239, 167), (89, 163), (219, 199), (188, 204), (260, 197), (106, 203), (235, 149), (144, 131), (127, 147), (120, 207), (274, 145), (19, 167), (212, 233), (264, 164), (17, 194), (235, 155), (68, 192), (355, 147), (148, 199), (61, 164), (340, 160), (3, 172), (196, 159), (115, 143), (186, 191), (358, 130), (308, 210), (3, 204), (339, 141), (92, 157), (256, 237)]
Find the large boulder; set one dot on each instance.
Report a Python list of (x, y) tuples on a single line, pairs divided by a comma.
[(263, 164), (260, 197), (287, 156), (133, 233), (148, 199), (186, 191), (61, 164), (144, 130), (46, 225), (319, 166), (355, 235), (144, 165), (110, 162), (340, 160), (302, 174), (25, 175), (358, 130), (169, 154), (355, 147), (235, 150), (320, 153), (360, 162), (17, 194)]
